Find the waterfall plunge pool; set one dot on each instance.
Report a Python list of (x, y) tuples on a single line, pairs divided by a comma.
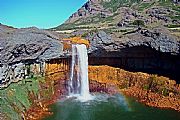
[(80, 105), (106, 107)]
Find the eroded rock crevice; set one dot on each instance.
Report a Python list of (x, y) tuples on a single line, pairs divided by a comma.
[(140, 59)]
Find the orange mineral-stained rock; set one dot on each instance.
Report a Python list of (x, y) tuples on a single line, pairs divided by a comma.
[(67, 42), (103, 74), (153, 90), (57, 69)]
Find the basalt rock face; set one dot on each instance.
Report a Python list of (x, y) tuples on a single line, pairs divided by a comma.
[(24, 51), (141, 50), (154, 40), (17, 45)]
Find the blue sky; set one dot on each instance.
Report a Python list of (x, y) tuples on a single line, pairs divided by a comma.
[(39, 13)]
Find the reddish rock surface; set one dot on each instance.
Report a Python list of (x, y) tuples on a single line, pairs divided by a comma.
[(153, 90), (153, 99), (39, 108)]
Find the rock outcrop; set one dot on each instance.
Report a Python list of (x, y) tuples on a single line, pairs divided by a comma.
[(92, 7), (24, 51), (17, 45), (154, 52), (155, 40)]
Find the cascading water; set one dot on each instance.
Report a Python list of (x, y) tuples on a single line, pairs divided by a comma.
[(78, 83)]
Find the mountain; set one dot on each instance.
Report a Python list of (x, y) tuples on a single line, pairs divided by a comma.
[(116, 15)]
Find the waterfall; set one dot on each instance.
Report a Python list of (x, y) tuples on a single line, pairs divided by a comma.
[(78, 83)]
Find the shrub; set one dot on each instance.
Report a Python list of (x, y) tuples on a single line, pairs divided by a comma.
[(138, 23), (84, 35)]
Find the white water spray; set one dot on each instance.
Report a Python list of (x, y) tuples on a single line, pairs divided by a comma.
[(78, 83)]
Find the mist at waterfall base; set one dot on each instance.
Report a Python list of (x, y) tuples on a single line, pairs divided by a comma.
[(78, 84)]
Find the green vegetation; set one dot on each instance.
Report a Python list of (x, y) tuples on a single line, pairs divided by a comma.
[(71, 27), (175, 17), (138, 23), (115, 4), (165, 2), (123, 30), (170, 4), (84, 35), (165, 92), (15, 99), (81, 24), (143, 6), (159, 85), (172, 26)]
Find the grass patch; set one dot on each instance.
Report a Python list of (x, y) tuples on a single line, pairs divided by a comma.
[(138, 23), (115, 4), (177, 17), (145, 6), (172, 26), (15, 99)]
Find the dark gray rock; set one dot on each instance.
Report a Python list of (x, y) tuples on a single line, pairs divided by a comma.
[(161, 13), (100, 40), (28, 44), (153, 52), (157, 41)]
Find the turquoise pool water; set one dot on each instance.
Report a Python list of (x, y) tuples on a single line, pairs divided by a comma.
[(105, 107)]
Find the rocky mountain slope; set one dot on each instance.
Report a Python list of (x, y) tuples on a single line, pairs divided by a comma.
[(112, 25), (117, 14)]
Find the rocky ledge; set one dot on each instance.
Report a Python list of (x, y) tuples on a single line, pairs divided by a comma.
[(156, 39), (27, 44), (153, 51)]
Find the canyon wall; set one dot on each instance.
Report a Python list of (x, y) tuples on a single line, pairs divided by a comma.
[(38, 85), (153, 90), (54, 69), (153, 52)]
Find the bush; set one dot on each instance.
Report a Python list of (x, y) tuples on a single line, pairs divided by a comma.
[(84, 35), (138, 23)]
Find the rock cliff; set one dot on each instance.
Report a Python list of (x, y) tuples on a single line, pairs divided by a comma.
[(156, 91), (27, 44), (152, 51), (155, 40), (24, 51)]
